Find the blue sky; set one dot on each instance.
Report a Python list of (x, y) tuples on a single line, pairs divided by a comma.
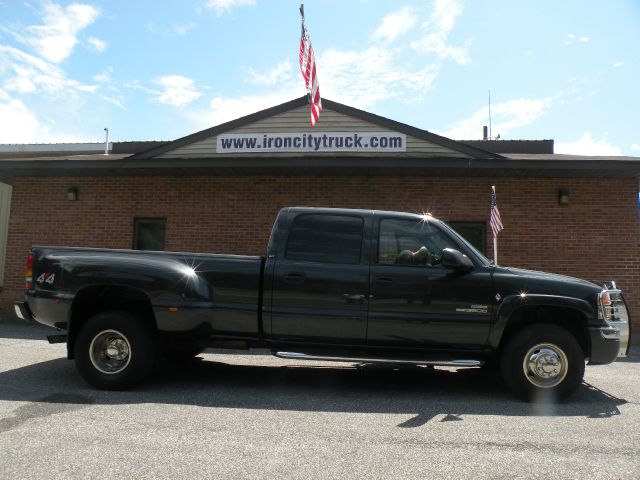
[(158, 70)]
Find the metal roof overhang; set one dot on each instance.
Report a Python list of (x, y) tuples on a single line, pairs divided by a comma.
[(325, 166)]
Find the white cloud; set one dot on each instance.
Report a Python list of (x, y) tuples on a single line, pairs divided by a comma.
[(363, 78), (104, 76), (87, 88), (505, 117), (24, 73), (279, 74), (222, 6), (56, 38), (96, 44), (35, 93), (635, 147), (396, 24), (137, 85), (38, 100), (571, 38), (177, 90), (18, 124), (107, 89), (184, 28), (435, 44), (222, 109), (359, 77), (347, 79), (618, 64), (436, 30), (444, 14), (587, 145)]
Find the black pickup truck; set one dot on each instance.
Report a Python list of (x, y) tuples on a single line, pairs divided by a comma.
[(336, 284)]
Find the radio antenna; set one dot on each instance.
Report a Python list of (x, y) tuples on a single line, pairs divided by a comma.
[(490, 137)]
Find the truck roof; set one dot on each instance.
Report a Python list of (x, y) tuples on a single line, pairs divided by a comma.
[(358, 211)]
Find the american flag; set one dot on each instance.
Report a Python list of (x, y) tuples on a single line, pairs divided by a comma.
[(308, 69), (494, 214)]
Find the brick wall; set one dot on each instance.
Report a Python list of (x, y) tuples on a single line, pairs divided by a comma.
[(596, 236)]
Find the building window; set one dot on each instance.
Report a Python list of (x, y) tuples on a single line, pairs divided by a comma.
[(326, 239), (473, 232), (149, 233)]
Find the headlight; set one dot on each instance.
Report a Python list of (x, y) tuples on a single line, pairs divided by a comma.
[(613, 310), (605, 306)]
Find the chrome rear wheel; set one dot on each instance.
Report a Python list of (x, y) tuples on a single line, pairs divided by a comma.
[(110, 352), (115, 350)]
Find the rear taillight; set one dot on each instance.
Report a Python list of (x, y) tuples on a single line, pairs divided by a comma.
[(28, 272)]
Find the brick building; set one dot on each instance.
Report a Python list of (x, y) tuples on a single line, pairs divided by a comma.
[(219, 190)]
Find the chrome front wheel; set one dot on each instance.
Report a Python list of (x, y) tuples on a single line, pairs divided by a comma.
[(545, 365)]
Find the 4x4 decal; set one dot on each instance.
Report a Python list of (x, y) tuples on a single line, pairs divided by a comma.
[(47, 278)]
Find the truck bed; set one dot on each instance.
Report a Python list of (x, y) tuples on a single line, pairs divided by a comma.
[(204, 294)]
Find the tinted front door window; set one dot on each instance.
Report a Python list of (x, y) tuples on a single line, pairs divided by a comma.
[(410, 242)]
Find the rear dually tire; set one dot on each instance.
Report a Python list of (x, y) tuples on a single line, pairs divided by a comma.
[(115, 350)]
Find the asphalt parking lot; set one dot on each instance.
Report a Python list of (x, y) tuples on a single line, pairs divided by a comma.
[(253, 416)]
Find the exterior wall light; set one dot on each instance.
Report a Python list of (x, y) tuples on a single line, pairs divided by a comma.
[(72, 194), (563, 196)]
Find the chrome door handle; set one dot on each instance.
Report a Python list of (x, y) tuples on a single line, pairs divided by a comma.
[(294, 278), (354, 298)]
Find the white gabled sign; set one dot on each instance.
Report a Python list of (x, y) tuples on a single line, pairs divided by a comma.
[(310, 142)]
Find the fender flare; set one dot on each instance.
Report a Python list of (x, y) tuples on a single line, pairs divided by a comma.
[(512, 303), (72, 322)]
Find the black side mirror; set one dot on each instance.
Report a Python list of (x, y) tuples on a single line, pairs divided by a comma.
[(455, 259)]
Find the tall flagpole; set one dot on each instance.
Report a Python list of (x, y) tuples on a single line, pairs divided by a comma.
[(495, 250), (302, 14), (490, 138)]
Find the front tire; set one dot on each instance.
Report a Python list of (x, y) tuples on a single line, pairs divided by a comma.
[(115, 350), (543, 363)]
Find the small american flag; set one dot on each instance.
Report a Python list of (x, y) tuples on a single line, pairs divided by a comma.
[(308, 69), (494, 214)]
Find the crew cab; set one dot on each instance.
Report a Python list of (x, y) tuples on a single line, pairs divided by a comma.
[(335, 284)]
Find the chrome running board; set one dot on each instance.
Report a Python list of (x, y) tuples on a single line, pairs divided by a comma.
[(441, 363)]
